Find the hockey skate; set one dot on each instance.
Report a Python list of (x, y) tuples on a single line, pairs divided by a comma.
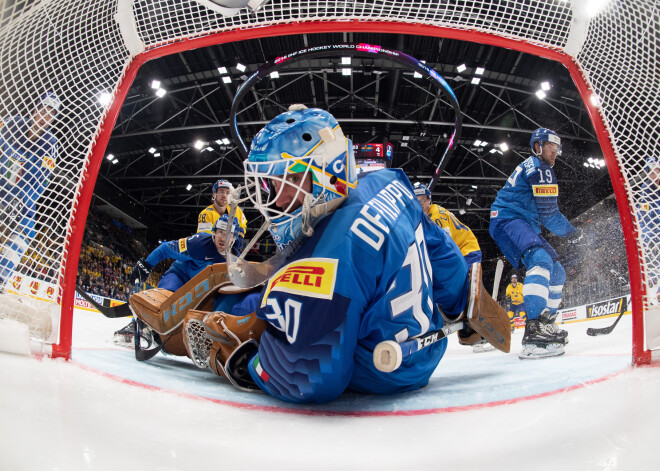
[(548, 324), (124, 336), (539, 342)]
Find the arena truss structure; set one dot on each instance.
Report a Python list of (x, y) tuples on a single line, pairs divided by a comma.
[(88, 52)]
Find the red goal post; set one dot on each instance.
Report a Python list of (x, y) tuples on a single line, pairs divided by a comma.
[(83, 50)]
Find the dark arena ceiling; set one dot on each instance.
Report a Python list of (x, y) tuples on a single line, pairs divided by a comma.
[(162, 180)]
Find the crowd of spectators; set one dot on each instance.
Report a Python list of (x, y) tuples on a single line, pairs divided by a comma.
[(108, 254)]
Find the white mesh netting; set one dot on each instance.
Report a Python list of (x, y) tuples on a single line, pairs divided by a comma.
[(81, 49)]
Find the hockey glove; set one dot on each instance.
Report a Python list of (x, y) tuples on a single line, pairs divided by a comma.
[(141, 272)]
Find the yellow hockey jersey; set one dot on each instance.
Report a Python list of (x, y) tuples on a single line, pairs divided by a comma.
[(460, 233), (515, 293), (210, 215)]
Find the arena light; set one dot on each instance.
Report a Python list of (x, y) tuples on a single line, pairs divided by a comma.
[(479, 71), (346, 71), (226, 141), (540, 94), (189, 187), (275, 75), (115, 161), (157, 154), (475, 80), (468, 201), (155, 84), (594, 99), (160, 93), (461, 68), (545, 86), (226, 79), (240, 66), (475, 187), (223, 70), (152, 150), (110, 157), (346, 61), (104, 98), (477, 143), (198, 144), (461, 211), (504, 147)]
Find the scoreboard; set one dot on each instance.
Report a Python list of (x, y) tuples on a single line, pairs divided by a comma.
[(373, 151)]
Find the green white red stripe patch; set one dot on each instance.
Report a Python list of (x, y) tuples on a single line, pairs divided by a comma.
[(260, 371)]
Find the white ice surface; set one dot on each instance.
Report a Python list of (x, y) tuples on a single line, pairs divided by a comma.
[(488, 411)]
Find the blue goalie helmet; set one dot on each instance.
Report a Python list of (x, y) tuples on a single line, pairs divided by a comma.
[(543, 135), (421, 190), (299, 160), (222, 222)]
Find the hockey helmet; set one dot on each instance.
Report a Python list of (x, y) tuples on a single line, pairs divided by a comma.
[(299, 141), (51, 100), (222, 183), (543, 135), (421, 190), (222, 223)]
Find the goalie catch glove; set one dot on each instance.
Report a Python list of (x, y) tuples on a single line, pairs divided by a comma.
[(141, 272), (224, 343)]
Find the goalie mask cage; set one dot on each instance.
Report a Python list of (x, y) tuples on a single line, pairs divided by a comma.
[(83, 50)]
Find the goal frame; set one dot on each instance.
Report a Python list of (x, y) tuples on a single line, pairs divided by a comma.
[(640, 355)]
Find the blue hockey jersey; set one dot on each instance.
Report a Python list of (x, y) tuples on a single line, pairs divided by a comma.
[(373, 270), (26, 167), (192, 254), (531, 194)]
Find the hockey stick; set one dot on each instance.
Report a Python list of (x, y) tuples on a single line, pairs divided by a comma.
[(605, 330), (498, 277), (388, 354), (123, 310)]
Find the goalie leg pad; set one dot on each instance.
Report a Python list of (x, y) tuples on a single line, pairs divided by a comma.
[(485, 316), (147, 306), (173, 343)]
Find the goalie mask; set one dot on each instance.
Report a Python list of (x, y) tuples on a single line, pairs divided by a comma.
[(300, 160)]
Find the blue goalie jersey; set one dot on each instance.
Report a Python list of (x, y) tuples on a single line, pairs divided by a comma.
[(374, 270), (531, 194)]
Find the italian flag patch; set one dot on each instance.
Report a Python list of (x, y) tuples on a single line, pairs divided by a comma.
[(260, 371)]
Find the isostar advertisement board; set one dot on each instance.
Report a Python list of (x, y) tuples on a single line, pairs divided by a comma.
[(610, 307)]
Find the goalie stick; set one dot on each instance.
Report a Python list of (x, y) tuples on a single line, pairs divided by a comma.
[(388, 355), (498, 277), (605, 330), (123, 310)]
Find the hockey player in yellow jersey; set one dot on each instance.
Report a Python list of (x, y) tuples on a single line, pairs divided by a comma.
[(218, 207), (467, 244), (514, 301), (459, 232)]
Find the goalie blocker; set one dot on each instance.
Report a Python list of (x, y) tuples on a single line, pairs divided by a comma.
[(484, 318)]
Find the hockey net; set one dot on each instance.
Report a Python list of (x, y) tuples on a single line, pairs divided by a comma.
[(88, 52)]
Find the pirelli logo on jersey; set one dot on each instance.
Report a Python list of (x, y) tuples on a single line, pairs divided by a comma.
[(545, 190), (314, 277), (183, 245)]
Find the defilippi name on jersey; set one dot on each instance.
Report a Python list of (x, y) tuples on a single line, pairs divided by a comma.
[(313, 277)]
